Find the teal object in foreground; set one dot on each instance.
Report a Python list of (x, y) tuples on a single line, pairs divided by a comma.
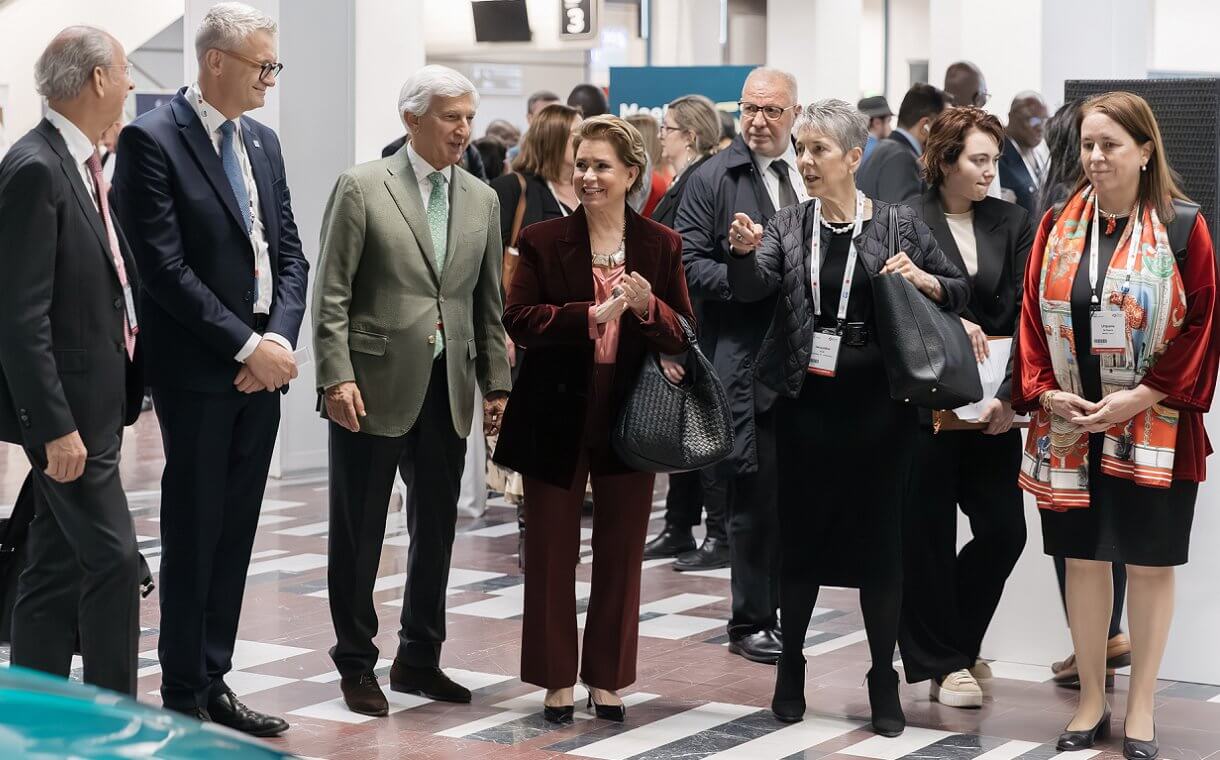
[(46, 717)]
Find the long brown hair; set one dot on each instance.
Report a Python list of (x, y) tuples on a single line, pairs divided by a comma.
[(545, 145), (1159, 184)]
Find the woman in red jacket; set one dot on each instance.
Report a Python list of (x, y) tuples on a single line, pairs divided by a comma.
[(1117, 359)]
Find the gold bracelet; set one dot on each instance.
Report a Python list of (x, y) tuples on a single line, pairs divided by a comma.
[(1047, 398)]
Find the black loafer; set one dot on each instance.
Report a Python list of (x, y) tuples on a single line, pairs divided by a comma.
[(227, 710), (761, 646), (1074, 740), (671, 542), (362, 694), (1136, 749), (712, 554), (427, 682)]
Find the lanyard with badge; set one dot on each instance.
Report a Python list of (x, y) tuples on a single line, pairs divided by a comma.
[(826, 341), (1108, 327)]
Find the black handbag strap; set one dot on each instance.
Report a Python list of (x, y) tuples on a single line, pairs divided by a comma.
[(893, 231)]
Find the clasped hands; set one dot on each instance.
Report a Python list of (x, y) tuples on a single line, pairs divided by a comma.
[(632, 292), (1116, 407), (269, 368)]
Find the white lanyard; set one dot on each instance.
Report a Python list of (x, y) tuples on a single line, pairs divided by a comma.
[(563, 210), (815, 265), (1132, 247)]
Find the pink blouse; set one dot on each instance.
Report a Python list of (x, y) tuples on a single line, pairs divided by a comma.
[(605, 335)]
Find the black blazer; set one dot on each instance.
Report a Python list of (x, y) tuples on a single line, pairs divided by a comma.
[(190, 243), (1003, 236), (892, 171), (540, 204), (666, 211), (63, 362), (1014, 176)]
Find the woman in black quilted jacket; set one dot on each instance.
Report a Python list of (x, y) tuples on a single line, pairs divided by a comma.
[(843, 444)]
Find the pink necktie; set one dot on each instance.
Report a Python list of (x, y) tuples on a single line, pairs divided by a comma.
[(94, 163)]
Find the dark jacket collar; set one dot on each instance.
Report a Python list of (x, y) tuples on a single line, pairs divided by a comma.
[(988, 219)]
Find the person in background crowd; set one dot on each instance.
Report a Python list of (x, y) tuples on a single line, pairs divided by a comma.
[(589, 99), (755, 176), (411, 245), (504, 131), (588, 326), (1117, 446), (1063, 153), (690, 134), (657, 178), (545, 168), (1025, 160), (494, 156), (471, 160), (106, 148), (877, 109), (728, 129), (69, 280), (840, 500), (201, 190), (536, 102), (965, 85), (892, 173), (949, 595)]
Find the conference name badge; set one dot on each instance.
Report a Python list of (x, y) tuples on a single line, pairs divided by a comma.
[(825, 355), (1108, 328)]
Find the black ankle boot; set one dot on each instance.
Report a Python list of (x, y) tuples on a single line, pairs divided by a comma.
[(888, 718), (788, 703)]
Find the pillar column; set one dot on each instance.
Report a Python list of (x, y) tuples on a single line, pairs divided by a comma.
[(818, 41)]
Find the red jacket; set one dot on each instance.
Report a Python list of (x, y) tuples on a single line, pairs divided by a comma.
[(547, 313)]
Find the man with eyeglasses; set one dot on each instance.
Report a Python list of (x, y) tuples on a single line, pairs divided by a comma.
[(1025, 159), (755, 175), (201, 189)]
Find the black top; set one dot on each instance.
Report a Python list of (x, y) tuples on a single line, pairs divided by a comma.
[(834, 261), (1089, 364)]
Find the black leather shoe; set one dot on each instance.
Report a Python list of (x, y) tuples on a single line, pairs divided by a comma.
[(362, 694), (198, 713), (888, 718), (788, 702), (712, 554), (1073, 740), (427, 682), (561, 714), (1137, 749), (227, 710), (761, 646), (671, 542)]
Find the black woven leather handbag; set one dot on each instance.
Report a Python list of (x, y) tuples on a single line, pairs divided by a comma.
[(675, 428), (928, 357)]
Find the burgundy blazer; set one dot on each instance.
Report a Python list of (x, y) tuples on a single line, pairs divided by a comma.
[(547, 312)]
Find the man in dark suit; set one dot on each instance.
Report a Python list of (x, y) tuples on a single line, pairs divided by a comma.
[(69, 372), (1025, 160), (892, 172), (202, 190)]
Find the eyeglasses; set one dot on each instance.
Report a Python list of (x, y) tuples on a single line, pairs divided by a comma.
[(126, 67), (981, 99), (666, 128), (772, 113), (266, 70), (1036, 121)]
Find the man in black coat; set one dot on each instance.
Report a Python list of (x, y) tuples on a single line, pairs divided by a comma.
[(202, 190), (69, 370), (892, 171), (755, 176)]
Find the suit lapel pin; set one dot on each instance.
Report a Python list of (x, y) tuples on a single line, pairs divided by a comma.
[(257, 144)]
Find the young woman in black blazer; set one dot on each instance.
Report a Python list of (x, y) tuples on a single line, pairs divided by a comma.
[(950, 597)]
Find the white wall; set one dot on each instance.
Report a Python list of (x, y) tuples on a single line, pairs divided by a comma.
[(1003, 39), (1184, 36), (818, 42), (1116, 43), (909, 41), (686, 33)]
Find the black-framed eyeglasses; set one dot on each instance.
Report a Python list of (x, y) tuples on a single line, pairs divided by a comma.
[(771, 113), (266, 70)]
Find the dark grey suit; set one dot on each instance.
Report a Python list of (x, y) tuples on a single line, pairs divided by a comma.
[(891, 173)]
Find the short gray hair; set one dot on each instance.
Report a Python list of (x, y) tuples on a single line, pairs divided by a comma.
[(840, 120), (227, 25), (417, 92), (68, 62)]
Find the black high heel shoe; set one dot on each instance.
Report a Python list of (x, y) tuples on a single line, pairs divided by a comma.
[(888, 718), (1138, 749), (561, 714), (1073, 740), (616, 713), (788, 702)]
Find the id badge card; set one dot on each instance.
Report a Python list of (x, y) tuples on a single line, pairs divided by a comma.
[(825, 355), (1109, 331), (131, 309)]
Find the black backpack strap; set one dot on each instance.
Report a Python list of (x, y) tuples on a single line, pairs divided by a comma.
[(1184, 215)]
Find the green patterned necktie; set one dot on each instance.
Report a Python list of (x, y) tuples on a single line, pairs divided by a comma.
[(438, 222)]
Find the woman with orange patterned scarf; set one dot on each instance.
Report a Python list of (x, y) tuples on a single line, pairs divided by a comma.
[(1117, 359)]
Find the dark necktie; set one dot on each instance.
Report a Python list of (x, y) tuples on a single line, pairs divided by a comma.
[(787, 196)]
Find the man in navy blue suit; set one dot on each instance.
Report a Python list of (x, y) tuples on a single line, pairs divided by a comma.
[(202, 192)]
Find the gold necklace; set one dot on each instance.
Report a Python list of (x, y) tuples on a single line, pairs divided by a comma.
[(618, 257)]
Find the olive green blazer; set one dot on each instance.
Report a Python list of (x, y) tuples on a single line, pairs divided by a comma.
[(378, 297)]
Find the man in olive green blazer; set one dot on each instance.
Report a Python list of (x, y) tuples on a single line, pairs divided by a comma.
[(406, 308)]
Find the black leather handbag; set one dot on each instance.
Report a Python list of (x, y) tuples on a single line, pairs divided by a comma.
[(675, 428), (928, 357)]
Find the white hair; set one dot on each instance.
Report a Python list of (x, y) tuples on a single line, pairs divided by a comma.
[(839, 120), (417, 92), (227, 25), (68, 62), (766, 72)]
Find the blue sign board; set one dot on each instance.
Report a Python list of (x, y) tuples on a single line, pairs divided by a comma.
[(650, 88)]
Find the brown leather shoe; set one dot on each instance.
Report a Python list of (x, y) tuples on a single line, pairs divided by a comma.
[(1118, 651), (363, 695), (426, 682), (1067, 676)]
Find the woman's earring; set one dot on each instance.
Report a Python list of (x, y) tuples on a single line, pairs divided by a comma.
[(1144, 167)]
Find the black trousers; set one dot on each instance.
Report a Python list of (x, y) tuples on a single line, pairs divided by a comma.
[(82, 572), (1119, 573), (430, 458), (950, 596), (749, 504), (218, 449), (684, 503)]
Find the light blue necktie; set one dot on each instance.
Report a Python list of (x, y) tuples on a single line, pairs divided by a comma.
[(438, 223), (228, 159)]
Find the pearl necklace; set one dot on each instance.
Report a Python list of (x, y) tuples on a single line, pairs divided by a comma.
[(838, 230)]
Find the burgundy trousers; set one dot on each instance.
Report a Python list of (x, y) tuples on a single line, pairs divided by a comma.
[(549, 652)]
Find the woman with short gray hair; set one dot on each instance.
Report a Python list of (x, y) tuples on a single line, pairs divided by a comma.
[(843, 444)]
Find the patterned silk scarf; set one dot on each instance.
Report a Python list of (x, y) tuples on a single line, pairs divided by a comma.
[(1055, 465)]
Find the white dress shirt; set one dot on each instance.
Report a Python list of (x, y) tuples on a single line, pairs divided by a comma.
[(771, 179), (422, 169), (79, 148), (212, 119)]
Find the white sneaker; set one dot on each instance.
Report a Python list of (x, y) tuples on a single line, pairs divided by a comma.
[(958, 689), (981, 672)]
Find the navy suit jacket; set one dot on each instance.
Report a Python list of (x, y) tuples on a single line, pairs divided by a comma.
[(1014, 176), (195, 258)]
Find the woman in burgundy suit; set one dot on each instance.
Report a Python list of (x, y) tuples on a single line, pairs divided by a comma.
[(593, 295)]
